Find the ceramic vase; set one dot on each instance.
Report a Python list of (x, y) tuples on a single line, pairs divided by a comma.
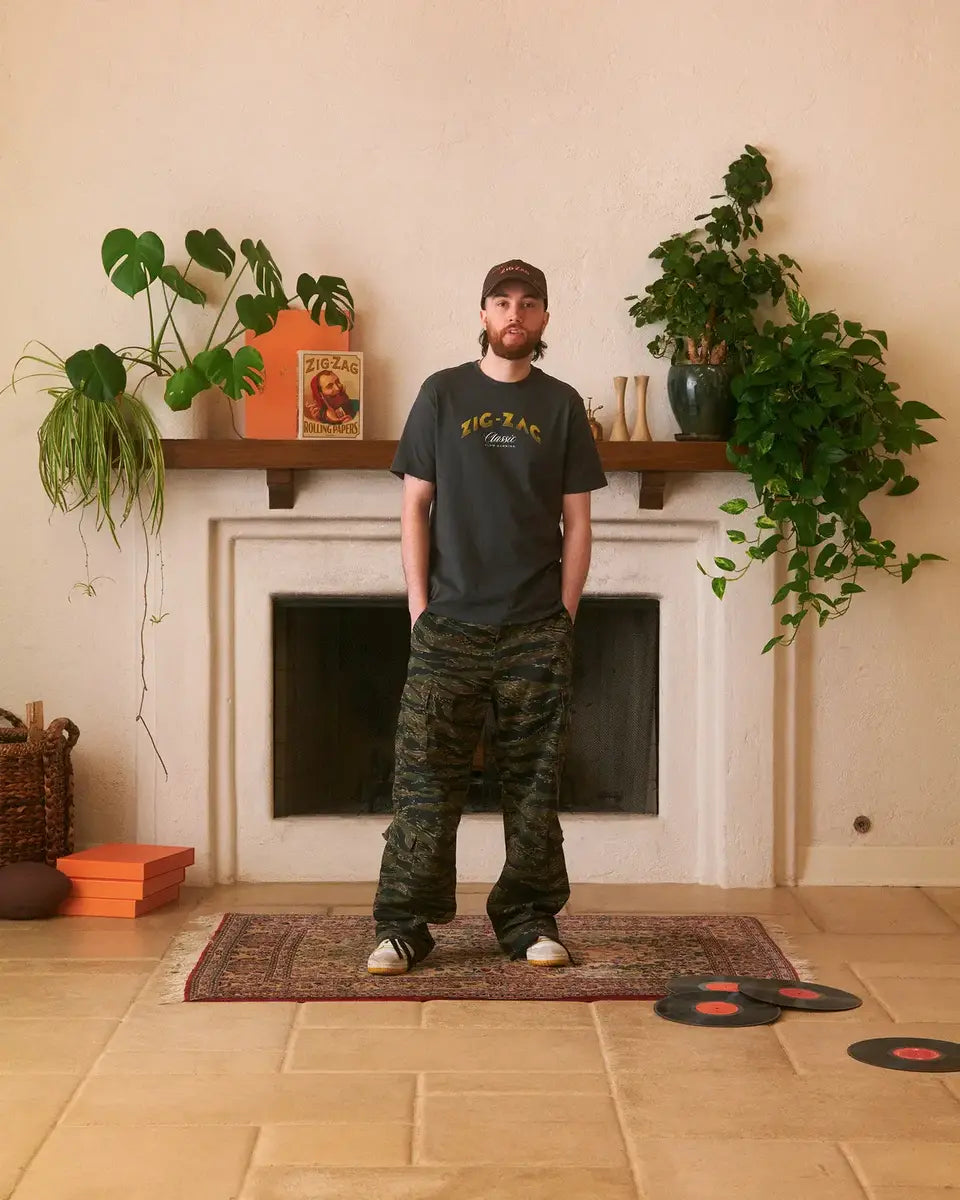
[(641, 431), (619, 432)]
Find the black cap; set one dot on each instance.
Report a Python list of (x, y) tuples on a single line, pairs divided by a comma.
[(516, 269)]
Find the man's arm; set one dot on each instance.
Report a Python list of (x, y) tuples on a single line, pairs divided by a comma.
[(575, 556), (415, 542)]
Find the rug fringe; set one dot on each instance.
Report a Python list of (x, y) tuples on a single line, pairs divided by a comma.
[(787, 947), (170, 977)]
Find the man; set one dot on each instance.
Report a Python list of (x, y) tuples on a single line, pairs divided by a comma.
[(494, 453), (328, 401)]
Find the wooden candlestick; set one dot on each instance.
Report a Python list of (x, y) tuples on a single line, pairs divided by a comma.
[(619, 431), (641, 431)]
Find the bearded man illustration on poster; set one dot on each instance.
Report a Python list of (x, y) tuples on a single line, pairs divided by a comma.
[(331, 394)]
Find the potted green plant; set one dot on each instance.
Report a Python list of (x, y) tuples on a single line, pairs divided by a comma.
[(812, 420), (818, 429), (99, 445), (706, 300)]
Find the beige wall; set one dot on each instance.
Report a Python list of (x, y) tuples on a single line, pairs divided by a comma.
[(408, 146)]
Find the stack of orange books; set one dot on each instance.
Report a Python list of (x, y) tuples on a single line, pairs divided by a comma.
[(121, 880)]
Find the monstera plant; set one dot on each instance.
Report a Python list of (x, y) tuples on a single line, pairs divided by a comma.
[(100, 447), (99, 441)]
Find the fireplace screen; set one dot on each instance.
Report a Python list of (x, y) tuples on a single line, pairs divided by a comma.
[(339, 669)]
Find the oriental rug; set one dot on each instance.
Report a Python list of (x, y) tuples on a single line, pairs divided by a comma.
[(309, 957)]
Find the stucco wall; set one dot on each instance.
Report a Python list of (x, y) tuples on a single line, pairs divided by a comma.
[(408, 146)]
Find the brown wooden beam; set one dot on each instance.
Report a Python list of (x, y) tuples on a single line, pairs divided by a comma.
[(651, 485), (280, 485)]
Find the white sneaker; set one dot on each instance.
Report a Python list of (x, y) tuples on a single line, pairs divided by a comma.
[(545, 952), (392, 957)]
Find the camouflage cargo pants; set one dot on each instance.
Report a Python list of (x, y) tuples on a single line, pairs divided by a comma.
[(455, 670)]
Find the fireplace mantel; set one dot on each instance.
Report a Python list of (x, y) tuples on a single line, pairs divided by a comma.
[(652, 461)]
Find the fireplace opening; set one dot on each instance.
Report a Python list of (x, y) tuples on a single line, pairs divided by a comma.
[(339, 666)]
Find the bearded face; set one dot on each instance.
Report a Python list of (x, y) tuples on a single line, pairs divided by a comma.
[(332, 390), (328, 400), (514, 320)]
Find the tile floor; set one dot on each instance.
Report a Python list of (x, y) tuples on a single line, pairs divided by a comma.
[(106, 1094)]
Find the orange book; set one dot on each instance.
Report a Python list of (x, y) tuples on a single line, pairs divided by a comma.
[(273, 411), (98, 906), (121, 860), (125, 889)]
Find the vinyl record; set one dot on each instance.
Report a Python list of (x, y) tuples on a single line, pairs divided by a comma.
[(907, 1054), (716, 985), (728, 1009), (793, 993)]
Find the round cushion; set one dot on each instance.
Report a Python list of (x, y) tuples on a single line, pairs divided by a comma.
[(30, 890)]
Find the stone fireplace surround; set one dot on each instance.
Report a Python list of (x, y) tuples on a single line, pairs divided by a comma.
[(209, 675)]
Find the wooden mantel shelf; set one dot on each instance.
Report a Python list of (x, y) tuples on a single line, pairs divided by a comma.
[(653, 461)]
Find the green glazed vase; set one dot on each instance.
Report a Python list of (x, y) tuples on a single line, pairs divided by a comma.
[(701, 401)]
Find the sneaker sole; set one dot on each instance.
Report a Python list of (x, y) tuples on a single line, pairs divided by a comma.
[(549, 962), (387, 970)]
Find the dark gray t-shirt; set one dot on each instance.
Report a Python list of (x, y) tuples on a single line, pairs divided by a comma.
[(502, 457)]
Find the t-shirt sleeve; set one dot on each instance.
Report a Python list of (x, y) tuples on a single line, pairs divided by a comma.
[(582, 471), (417, 450)]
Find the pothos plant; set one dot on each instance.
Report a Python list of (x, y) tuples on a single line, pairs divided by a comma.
[(818, 429), (99, 442)]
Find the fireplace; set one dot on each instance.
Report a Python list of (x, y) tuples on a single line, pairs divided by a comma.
[(339, 665), (211, 697)]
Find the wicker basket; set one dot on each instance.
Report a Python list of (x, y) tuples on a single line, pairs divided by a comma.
[(36, 790)]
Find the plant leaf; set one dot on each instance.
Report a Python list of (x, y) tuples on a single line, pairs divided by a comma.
[(171, 276), (140, 259), (719, 587), (774, 641), (98, 373), (327, 294), (182, 386), (210, 250), (266, 273), (906, 485), (797, 306), (725, 564), (734, 507), (236, 373), (736, 535), (919, 412), (258, 313)]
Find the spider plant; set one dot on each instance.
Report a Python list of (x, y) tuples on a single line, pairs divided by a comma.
[(99, 444)]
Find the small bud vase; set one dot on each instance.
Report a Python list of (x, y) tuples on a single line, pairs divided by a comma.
[(619, 432), (641, 431)]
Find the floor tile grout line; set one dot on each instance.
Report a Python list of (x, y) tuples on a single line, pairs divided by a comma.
[(615, 1098), (862, 1183), (797, 895), (296, 1024), (249, 1168), (80, 1082), (794, 1064), (933, 900), (416, 1134), (870, 992)]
